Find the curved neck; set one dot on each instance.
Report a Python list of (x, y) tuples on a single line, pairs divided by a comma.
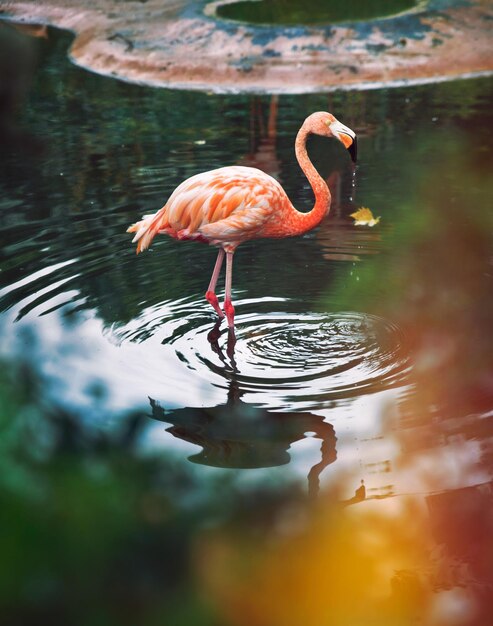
[(307, 221)]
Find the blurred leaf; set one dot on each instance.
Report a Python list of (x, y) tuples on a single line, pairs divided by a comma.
[(364, 217)]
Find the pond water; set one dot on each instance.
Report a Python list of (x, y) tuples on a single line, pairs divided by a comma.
[(323, 12), (205, 478)]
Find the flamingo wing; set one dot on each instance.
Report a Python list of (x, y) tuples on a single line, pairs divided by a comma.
[(242, 224), (225, 202), (223, 206)]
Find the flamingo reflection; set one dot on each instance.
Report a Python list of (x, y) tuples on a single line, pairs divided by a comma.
[(242, 436)]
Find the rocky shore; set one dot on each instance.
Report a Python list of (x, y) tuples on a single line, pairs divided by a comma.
[(183, 44)]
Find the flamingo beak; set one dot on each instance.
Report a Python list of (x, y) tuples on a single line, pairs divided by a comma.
[(347, 137)]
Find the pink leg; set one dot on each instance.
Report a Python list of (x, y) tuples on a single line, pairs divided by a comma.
[(210, 294), (228, 306)]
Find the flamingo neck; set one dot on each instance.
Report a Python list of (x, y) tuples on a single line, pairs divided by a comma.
[(307, 221)]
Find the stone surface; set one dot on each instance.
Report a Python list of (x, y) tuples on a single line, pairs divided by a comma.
[(181, 44)]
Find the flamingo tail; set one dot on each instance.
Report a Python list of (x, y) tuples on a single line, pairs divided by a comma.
[(148, 228)]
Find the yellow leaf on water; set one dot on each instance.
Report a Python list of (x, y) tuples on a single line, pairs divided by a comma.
[(364, 217)]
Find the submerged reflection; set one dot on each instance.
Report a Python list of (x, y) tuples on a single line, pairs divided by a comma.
[(239, 435)]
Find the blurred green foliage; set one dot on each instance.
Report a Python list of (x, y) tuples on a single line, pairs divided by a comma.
[(91, 531)]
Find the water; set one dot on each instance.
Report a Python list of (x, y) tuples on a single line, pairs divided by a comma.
[(359, 353), (325, 12)]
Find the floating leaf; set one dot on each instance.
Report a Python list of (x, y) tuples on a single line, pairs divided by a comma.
[(364, 217)]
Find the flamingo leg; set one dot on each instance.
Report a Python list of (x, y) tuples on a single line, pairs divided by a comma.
[(228, 306), (210, 294)]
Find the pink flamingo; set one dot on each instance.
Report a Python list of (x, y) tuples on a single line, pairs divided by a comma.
[(229, 205)]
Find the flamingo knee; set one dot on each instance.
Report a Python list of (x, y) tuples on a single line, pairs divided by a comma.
[(211, 298), (230, 313)]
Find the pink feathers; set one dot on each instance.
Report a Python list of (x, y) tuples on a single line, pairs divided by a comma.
[(222, 207)]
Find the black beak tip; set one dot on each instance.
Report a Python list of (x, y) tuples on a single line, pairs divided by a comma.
[(353, 150)]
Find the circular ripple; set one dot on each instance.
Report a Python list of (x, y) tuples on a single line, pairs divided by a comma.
[(280, 357), (320, 356)]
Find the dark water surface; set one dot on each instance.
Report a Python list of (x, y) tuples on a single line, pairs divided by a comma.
[(360, 354), (322, 12)]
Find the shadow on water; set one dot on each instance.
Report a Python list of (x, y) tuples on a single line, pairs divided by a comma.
[(377, 340)]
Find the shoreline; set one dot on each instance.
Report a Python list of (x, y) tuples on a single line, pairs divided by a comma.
[(180, 47)]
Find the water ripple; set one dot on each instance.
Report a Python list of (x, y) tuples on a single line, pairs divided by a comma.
[(307, 359)]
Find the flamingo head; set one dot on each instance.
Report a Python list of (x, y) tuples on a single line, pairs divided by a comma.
[(326, 125)]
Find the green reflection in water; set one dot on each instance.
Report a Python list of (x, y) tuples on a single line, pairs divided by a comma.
[(302, 12)]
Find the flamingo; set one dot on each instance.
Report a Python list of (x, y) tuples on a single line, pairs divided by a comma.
[(226, 206)]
